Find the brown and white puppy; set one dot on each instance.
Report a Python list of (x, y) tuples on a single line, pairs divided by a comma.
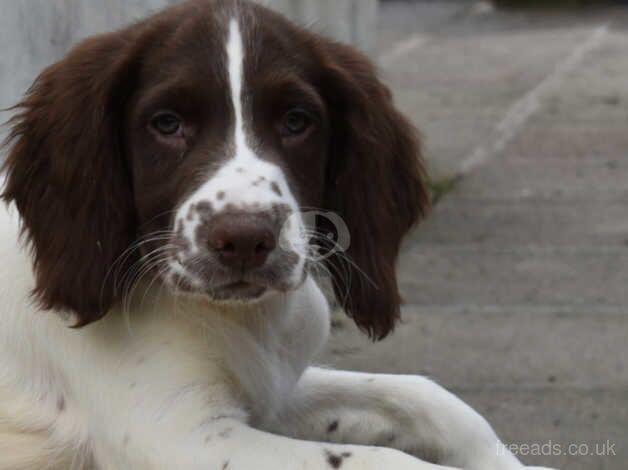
[(175, 183)]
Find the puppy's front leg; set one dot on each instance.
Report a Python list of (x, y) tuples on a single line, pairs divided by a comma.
[(176, 422), (231, 444), (408, 413)]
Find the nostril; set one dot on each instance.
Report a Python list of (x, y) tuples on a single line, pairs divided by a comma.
[(241, 240), (221, 245), (228, 248), (266, 245)]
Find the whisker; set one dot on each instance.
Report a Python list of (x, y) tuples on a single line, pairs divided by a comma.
[(136, 272)]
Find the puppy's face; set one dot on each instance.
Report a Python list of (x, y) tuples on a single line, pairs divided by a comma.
[(188, 147), (228, 138)]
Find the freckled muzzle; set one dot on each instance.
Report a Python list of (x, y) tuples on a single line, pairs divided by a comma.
[(235, 254)]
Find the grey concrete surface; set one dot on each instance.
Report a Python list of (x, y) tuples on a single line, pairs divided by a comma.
[(500, 224), (516, 287), (504, 340)]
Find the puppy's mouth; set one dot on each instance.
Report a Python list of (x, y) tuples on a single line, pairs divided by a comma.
[(236, 255), (217, 285), (239, 291)]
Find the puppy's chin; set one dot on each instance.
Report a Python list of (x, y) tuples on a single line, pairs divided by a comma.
[(240, 292), (235, 294), (228, 288)]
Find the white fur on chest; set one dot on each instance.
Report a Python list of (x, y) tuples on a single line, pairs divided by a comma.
[(239, 359)]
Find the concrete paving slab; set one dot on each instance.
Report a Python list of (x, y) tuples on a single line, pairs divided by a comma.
[(565, 177), (536, 275), (502, 349), (463, 80), (528, 222), (550, 139), (596, 93), (585, 117)]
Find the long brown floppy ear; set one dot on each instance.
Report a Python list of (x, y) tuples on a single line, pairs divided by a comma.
[(375, 183), (68, 178)]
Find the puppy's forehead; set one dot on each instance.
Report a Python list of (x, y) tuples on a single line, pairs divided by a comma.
[(189, 42), (247, 175)]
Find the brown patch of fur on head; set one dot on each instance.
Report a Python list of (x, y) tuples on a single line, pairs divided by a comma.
[(88, 170), (375, 182), (66, 174)]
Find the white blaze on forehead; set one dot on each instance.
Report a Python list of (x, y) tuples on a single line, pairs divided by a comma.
[(235, 54), (244, 181)]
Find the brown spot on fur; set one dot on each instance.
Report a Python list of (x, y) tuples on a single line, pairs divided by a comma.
[(276, 189), (220, 195), (61, 404), (335, 460), (205, 208), (333, 427), (259, 181), (281, 213), (225, 434)]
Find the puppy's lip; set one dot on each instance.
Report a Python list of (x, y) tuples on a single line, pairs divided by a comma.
[(238, 285), (240, 290)]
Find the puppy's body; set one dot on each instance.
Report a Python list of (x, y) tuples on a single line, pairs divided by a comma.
[(159, 310), (172, 360)]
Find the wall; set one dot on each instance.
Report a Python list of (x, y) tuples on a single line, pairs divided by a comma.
[(352, 21), (34, 33)]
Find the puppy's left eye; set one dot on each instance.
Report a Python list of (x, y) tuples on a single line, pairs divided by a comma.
[(167, 124), (295, 123)]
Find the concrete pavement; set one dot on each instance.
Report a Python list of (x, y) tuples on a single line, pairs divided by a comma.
[(516, 288)]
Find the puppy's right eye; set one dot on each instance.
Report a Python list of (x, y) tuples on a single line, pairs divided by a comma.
[(167, 124)]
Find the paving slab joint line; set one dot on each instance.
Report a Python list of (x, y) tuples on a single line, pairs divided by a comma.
[(524, 109), (536, 388), (523, 250), (563, 310)]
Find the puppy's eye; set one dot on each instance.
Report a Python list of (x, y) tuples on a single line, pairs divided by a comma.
[(167, 124), (295, 123)]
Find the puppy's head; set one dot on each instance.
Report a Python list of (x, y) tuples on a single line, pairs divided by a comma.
[(188, 147)]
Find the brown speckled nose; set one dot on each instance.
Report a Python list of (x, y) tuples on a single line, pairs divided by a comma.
[(242, 241)]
